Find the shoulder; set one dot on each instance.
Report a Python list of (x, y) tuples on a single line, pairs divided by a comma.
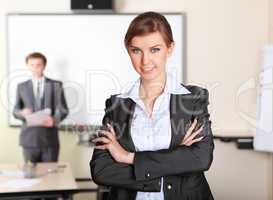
[(116, 102), (198, 95), (24, 83), (115, 99), (196, 90), (55, 82)]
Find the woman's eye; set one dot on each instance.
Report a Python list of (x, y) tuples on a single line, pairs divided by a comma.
[(154, 50), (135, 51)]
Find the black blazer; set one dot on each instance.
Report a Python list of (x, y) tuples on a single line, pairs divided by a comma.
[(182, 167), (54, 98)]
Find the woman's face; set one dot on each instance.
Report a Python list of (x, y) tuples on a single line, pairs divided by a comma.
[(149, 54)]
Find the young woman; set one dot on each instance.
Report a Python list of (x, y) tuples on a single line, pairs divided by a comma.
[(159, 141)]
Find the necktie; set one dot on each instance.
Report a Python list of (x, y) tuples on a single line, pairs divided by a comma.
[(38, 96)]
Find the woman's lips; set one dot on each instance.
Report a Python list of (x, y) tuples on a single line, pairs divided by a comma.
[(147, 70)]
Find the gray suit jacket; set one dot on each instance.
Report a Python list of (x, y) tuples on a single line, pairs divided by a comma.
[(39, 137)]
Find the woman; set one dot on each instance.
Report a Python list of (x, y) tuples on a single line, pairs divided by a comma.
[(159, 141)]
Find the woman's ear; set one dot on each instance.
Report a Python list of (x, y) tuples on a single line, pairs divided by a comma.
[(170, 49)]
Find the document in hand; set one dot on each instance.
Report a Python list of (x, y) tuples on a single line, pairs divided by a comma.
[(37, 118)]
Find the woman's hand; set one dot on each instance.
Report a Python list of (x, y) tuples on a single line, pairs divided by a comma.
[(189, 138), (109, 142)]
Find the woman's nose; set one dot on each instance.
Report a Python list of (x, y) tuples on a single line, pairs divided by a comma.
[(146, 59)]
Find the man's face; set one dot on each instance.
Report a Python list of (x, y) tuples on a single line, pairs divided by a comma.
[(36, 66)]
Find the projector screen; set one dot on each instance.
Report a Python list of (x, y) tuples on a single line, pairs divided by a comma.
[(85, 52)]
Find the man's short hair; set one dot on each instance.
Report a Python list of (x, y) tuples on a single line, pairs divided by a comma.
[(36, 55)]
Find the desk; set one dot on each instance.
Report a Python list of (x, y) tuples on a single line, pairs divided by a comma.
[(53, 180)]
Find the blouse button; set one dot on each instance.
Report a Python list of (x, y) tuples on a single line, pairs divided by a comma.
[(169, 186)]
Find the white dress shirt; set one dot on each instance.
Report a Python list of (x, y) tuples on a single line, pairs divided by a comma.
[(41, 82), (152, 133)]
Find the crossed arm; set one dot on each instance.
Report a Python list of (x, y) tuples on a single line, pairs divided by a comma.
[(149, 166)]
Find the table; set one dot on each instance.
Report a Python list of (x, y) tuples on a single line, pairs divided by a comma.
[(53, 180)]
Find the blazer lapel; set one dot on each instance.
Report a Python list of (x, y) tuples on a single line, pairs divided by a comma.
[(181, 110), (125, 116), (48, 93), (29, 91)]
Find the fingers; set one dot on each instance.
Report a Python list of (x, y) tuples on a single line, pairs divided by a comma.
[(189, 131), (194, 141), (26, 111), (190, 136), (111, 129), (193, 135), (111, 134), (48, 121), (103, 140), (108, 135), (101, 147), (101, 143)]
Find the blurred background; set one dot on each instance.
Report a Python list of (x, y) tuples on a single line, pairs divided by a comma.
[(224, 53)]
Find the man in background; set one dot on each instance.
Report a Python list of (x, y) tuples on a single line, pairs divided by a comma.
[(40, 143)]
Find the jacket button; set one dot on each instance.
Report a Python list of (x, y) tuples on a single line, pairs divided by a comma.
[(148, 175), (169, 186)]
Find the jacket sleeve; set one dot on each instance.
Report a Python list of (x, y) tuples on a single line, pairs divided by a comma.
[(106, 171), (61, 109), (182, 159), (18, 105)]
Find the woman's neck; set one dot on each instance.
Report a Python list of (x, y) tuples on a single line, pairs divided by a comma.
[(151, 89)]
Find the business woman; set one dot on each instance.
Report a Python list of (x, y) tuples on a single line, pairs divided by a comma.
[(159, 141)]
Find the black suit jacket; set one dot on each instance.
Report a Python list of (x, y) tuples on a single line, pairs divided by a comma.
[(182, 167), (39, 137)]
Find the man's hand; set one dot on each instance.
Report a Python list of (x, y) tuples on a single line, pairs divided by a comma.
[(26, 111), (48, 122)]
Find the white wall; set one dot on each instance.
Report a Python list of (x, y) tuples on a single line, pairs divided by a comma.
[(224, 41), (240, 174), (224, 46)]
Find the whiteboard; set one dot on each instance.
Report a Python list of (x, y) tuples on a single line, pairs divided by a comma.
[(86, 52)]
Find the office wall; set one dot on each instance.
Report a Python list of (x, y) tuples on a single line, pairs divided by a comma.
[(270, 20), (224, 43)]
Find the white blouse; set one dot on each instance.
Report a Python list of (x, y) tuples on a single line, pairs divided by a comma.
[(152, 133)]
